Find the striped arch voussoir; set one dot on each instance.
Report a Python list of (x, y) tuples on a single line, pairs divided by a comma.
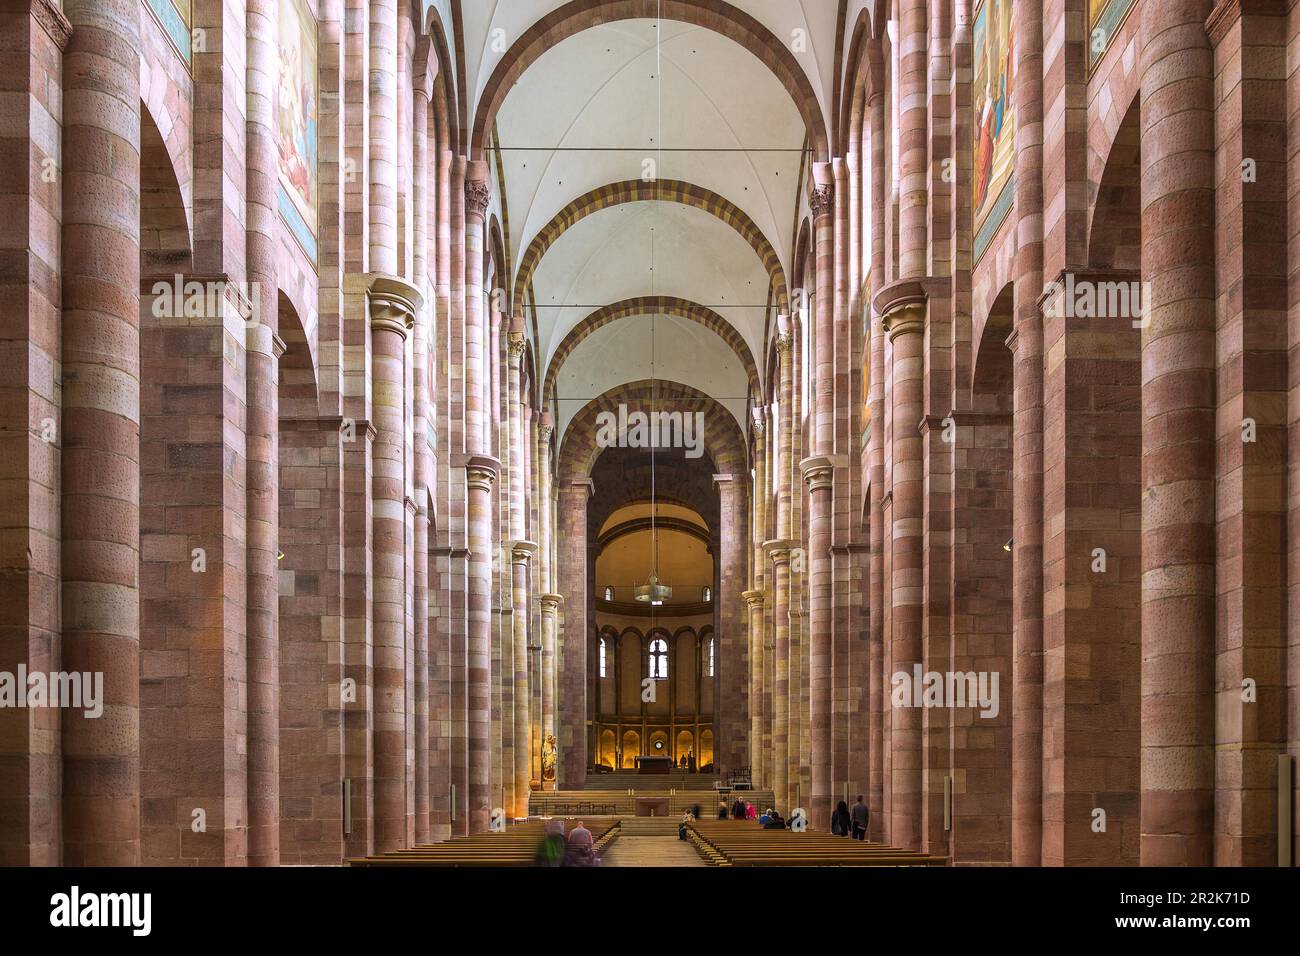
[(722, 438), (717, 15), (663, 190), (651, 305)]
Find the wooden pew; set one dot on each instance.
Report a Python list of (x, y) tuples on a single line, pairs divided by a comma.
[(744, 843), (517, 846)]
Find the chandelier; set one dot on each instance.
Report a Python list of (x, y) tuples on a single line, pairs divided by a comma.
[(654, 592)]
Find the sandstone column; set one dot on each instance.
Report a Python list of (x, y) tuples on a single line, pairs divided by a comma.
[(462, 433), (263, 432), (480, 477), (779, 551), (1178, 410), (729, 650), (571, 704), (754, 599), (818, 472), (503, 689), (913, 138), (422, 477), (1252, 420), (754, 609), (876, 476), (550, 610), (101, 428), (521, 554), (904, 323), (393, 304), (550, 601), (389, 325), (29, 459), (442, 723), (1026, 344)]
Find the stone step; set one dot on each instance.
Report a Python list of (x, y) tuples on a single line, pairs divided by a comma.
[(621, 803), (648, 826), (651, 851)]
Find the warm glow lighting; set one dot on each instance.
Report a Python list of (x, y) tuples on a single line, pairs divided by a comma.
[(652, 592)]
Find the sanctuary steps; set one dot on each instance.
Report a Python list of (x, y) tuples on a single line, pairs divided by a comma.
[(562, 803)]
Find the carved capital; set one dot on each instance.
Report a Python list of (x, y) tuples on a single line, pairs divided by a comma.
[(551, 602), (784, 342), (516, 343), (753, 598), (478, 194), (822, 200), (905, 320), (544, 432), (481, 472), (521, 552), (818, 472), (393, 304), (480, 478), (778, 549)]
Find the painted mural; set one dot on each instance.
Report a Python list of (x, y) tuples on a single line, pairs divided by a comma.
[(995, 120), (174, 15), (1105, 17), (296, 101)]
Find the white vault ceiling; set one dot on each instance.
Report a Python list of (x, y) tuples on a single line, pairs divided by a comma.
[(591, 111)]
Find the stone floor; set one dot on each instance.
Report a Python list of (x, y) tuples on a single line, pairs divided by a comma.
[(651, 851)]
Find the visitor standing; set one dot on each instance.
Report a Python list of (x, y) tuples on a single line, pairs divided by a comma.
[(860, 817)]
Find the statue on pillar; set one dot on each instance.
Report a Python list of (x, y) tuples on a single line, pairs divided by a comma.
[(548, 758)]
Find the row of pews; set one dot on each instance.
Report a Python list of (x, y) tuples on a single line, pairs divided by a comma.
[(744, 843), (517, 846)]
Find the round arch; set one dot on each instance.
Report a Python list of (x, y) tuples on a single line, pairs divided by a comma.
[(579, 15), (663, 190), (723, 442), (862, 75), (445, 88), (644, 305)]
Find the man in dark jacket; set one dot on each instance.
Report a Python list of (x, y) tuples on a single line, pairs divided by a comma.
[(860, 817)]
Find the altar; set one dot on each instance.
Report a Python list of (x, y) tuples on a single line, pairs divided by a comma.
[(649, 764), (650, 806)]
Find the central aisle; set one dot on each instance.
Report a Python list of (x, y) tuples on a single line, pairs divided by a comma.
[(651, 851)]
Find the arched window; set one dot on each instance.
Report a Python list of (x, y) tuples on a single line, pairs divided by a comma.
[(602, 657), (609, 594), (707, 594), (659, 659), (710, 657)]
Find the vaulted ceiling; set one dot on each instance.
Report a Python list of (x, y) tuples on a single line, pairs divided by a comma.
[(651, 100)]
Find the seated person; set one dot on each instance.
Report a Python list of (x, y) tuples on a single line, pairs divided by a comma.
[(775, 821), (579, 848)]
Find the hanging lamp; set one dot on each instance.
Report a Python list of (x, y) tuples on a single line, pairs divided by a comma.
[(654, 592)]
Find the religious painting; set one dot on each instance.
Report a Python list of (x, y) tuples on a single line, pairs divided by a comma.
[(1105, 17), (297, 122), (995, 117), (174, 15)]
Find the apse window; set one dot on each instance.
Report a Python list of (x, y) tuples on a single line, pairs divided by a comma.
[(602, 657), (710, 657), (659, 659), (708, 594), (609, 594)]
